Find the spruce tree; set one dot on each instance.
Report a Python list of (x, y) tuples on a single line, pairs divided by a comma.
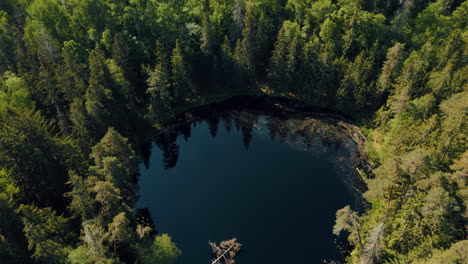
[(183, 89)]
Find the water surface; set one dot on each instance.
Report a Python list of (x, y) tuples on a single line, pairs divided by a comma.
[(241, 175)]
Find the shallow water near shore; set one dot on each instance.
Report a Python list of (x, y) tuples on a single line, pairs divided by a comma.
[(274, 182)]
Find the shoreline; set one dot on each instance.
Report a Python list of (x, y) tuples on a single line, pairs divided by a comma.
[(287, 108)]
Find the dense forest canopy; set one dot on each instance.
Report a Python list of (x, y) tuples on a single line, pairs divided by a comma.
[(81, 79)]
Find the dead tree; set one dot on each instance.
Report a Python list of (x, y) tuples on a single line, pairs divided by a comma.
[(226, 251)]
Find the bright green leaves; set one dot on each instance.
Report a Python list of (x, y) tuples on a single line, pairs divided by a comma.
[(115, 146), (115, 169), (108, 94), (170, 19), (82, 62), (8, 188), (102, 200), (300, 8), (52, 18), (160, 250), (320, 10), (285, 61), (421, 132), (457, 253), (391, 67), (14, 93), (426, 221), (438, 205), (90, 16), (164, 250), (433, 23), (81, 255)]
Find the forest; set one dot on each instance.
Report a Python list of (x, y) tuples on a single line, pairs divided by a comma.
[(84, 82)]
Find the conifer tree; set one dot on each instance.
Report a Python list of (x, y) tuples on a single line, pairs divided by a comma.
[(46, 234), (81, 196), (119, 231), (164, 250), (392, 66), (237, 20), (246, 48), (285, 58), (207, 39), (73, 77), (37, 173), (160, 87), (183, 89), (99, 95), (114, 145), (94, 239)]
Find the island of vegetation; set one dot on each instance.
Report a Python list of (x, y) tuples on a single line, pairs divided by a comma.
[(84, 83)]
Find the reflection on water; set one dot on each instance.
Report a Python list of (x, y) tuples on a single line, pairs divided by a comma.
[(254, 170)]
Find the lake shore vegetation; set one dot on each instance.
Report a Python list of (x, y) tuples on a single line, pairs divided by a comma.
[(83, 82)]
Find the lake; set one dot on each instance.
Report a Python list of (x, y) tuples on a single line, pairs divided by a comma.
[(271, 177)]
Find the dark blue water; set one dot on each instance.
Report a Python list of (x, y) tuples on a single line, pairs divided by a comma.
[(277, 198)]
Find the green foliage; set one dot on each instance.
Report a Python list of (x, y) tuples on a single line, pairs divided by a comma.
[(83, 129), (160, 250), (99, 93), (164, 250), (81, 255), (73, 79), (456, 254), (347, 220), (183, 89), (420, 136), (52, 17), (32, 155), (246, 48), (11, 236), (357, 82), (93, 237), (45, 233), (286, 57), (72, 69), (115, 159), (392, 66), (160, 86), (109, 198), (14, 93), (82, 202), (119, 230), (5, 41)]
